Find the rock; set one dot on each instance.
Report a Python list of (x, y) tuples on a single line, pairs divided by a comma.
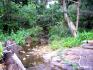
[(87, 46), (56, 58), (66, 66), (83, 57)]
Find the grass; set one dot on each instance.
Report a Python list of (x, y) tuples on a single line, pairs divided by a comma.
[(68, 42)]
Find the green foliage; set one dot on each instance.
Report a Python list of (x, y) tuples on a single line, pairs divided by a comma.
[(31, 15), (86, 35), (49, 16), (57, 31), (87, 4), (72, 11), (19, 16), (20, 35), (68, 42), (71, 42), (1, 8), (86, 20), (29, 12), (15, 8), (55, 44)]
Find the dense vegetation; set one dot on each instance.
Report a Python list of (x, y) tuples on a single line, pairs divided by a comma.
[(21, 18)]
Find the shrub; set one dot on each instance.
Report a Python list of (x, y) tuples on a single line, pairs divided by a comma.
[(49, 16), (86, 35), (21, 34), (58, 31), (29, 13)]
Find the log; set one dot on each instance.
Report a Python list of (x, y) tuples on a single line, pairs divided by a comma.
[(18, 61)]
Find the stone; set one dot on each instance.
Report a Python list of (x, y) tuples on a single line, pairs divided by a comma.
[(87, 46)]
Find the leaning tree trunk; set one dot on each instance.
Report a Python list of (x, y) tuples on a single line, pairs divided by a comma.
[(70, 23)]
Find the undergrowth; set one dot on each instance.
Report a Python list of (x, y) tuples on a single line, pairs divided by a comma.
[(68, 42), (19, 36)]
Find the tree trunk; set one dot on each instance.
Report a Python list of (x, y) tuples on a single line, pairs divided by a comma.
[(71, 25), (78, 14), (68, 20)]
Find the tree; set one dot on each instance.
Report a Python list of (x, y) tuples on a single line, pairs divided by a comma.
[(73, 28)]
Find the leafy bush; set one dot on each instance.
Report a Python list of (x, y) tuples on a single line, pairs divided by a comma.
[(29, 13), (49, 16), (1, 8), (57, 31), (20, 35), (86, 35)]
